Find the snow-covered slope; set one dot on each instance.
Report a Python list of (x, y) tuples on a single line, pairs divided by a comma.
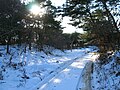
[(106, 75)]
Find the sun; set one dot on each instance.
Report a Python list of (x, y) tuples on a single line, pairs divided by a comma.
[(35, 9)]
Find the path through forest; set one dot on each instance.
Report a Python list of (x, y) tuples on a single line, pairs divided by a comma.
[(70, 77)]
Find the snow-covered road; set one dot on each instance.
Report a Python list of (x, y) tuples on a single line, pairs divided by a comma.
[(68, 78), (56, 71)]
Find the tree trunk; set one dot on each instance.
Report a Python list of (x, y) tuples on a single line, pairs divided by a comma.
[(71, 45), (111, 19), (30, 39), (8, 44), (19, 38), (110, 16)]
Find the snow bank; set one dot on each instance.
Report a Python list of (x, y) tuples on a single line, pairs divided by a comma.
[(107, 76)]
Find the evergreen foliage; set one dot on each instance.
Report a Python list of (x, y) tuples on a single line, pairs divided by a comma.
[(19, 26), (97, 17)]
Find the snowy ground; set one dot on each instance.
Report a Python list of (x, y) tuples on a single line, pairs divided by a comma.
[(57, 70), (68, 78), (106, 76), (33, 69)]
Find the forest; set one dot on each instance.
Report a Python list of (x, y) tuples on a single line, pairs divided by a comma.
[(99, 18), (26, 30)]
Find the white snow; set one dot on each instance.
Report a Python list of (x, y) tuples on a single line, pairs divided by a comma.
[(68, 78), (107, 76), (53, 69)]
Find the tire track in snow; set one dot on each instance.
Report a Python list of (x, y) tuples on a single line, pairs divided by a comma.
[(84, 82), (71, 78), (55, 73)]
